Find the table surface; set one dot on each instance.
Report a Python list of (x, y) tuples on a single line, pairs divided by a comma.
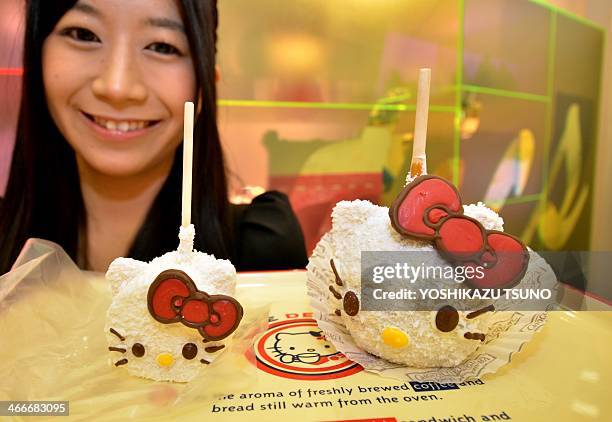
[(563, 374)]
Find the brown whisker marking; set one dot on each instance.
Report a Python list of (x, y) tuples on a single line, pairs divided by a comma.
[(479, 312), (335, 293), (213, 349), (338, 312), (112, 330), (117, 349), (204, 361), (333, 267), (205, 340), (121, 362), (474, 336)]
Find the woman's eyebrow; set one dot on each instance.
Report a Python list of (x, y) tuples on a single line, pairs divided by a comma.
[(86, 8), (165, 23)]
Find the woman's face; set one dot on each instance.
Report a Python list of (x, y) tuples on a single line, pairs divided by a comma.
[(116, 76)]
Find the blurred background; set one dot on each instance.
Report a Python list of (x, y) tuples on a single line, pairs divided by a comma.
[(317, 100)]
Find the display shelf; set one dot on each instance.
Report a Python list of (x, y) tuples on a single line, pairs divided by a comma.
[(458, 93), (331, 106), (517, 200), (560, 11), (504, 93)]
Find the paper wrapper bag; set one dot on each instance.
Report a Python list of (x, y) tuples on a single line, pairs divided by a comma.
[(509, 330), (53, 346)]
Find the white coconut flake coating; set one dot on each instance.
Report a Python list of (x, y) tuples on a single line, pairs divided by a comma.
[(427, 348), (487, 217), (362, 226), (128, 314), (214, 276), (186, 236)]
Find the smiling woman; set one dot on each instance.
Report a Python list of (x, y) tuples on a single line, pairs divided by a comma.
[(130, 71), (96, 166)]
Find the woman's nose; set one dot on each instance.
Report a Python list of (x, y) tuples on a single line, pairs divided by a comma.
[(119, 80)]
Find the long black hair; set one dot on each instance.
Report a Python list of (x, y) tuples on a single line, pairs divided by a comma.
[(43, 196)]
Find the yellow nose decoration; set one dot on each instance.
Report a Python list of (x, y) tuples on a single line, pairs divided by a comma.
[(165, 359), (394, 337)]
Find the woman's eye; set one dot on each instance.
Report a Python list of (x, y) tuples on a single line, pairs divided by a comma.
[(164, 48), (81, 34)]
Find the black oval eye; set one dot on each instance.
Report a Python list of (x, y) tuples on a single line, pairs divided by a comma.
[(80, 34), (86, 35), (138, 350), (163, 48), (292, 348), (190, 351), (447, 319)]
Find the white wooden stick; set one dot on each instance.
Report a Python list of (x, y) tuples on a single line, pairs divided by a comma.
[(418, 164), (187, 164)]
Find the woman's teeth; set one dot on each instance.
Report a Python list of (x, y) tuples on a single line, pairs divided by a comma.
[(121, 126)]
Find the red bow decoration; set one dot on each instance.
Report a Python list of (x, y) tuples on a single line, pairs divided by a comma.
[(430, 208), (174, 297)]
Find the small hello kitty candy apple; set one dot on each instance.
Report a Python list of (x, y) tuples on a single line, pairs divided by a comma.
[(169, 317)]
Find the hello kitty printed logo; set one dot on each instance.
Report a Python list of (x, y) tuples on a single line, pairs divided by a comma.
[(298, 349)]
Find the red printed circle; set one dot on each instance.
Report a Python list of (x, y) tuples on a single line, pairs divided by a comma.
[(297, 349)]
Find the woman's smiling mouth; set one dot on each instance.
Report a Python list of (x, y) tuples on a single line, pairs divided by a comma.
[(119, 128)]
